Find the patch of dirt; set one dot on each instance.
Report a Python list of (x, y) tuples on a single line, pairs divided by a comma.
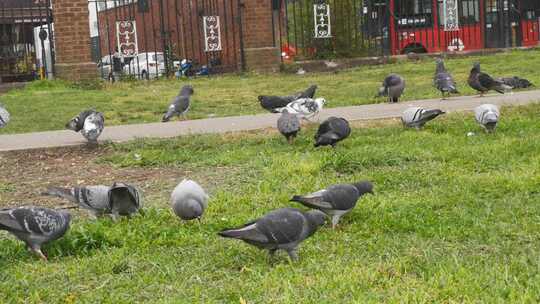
[(25, 174)]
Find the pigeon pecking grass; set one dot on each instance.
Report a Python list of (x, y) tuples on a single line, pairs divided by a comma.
[(336, 200), (274, 104), (331, 131), (189, 200), (288, 125), (281, 229), (4, 116), (90, 123), (487, 115), (417, 117), (392, 87), (35, 226)]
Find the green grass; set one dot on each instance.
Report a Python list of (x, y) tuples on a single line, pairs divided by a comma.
[(454, 219), (49, 105)]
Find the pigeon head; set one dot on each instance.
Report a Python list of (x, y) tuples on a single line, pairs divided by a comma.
[(316, 218), (187, 90), (440, 65), (476, 67), (261, 98), (320, 102), (74, 124), (364, 187)]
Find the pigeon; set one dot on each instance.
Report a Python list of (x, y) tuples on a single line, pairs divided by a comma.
[(95, 199), (124, 200), (416, 117), (90, 123), (4, 116), (35, 226), (120, 199), (180, 104), (305, 108), (188, 200), (392, 87), (274, 104), (335, 200), (331, 131), (482, 82), (516, 82), (288, 125), (487, 115), (443, 81), (281, 229)]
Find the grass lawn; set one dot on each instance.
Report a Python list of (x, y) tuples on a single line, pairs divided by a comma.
[(454, 219), (49, 105)]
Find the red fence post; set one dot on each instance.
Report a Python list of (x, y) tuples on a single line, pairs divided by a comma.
[(72, 41), (261, 54)]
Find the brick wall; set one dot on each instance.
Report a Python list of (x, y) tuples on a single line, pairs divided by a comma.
[(261, 53), (72, 40)]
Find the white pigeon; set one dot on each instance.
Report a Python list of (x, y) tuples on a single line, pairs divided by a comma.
[(189, 200), (4, 116), (305, 107), (90, 123), (487, 115)]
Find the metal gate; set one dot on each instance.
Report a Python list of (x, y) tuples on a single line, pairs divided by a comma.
[(152, 38), (26, 31)]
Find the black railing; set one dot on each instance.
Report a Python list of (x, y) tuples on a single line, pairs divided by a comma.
[(26, 51), (159, 38)]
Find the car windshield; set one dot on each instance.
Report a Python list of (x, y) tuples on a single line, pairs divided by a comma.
[(152, 57)]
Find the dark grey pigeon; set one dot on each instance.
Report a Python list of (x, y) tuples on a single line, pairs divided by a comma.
[(90, 123), (392, 87), (335, 200), (95, 199), (281, 229), (416, 117), (189, 200), (516, 82), (124, 200), (332, 131), (487, 115), (4, 116), (443, 81), (180, 104), (483, 83), (35, 226), (273, 104), (288, 125)]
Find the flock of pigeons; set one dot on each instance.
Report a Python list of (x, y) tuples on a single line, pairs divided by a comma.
[(283, 228)]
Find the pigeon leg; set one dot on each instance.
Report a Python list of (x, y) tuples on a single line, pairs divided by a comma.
[(115, 216), (335, 221), (290, 140), (184, 116), (293, 254)]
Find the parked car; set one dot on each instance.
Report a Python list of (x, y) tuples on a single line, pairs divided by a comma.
[(146, 65)]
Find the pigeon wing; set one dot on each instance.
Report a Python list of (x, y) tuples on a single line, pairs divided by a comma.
[(317, 200), (282, 226)]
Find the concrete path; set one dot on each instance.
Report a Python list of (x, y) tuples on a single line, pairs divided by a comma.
[(251, 122)]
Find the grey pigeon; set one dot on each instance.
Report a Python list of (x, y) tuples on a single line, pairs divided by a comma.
[(516, 82), (188, 200), (95, 199), (487, 115), (335, 200), (124, 200), (288, 125), (281, 229), (443, 81), (392, 87), (90, 123), (417, 117), (483, 83), (35, 226), (274, 103), (180, 104), (4, 116), (331, 131)]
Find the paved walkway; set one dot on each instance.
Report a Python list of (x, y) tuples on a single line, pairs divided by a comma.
[(251, 122)]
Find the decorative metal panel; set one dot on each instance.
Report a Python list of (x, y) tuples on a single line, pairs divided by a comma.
[(450, 15), (212, 33), (321, 15), (126, 38)]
